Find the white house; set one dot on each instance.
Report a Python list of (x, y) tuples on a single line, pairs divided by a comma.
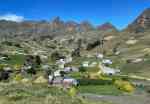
[(138, 60), (67, 69), (71, 69), (57, 73), (50, 78), (85, 64), (61, 63), (107, 61), (108, 70), (99, 56)]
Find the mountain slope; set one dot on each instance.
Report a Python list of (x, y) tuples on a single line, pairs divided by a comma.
[(142, 23)]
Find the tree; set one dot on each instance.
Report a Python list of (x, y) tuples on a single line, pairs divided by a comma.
[(4, 75), (31, 71), (76, 52), (90, 46), (55, 56), (62, 73), (82, 69), (38, 60)]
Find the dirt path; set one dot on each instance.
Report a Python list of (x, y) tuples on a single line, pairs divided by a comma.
[(124, 99)]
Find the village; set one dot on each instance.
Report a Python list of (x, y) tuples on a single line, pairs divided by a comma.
[(66, 73)]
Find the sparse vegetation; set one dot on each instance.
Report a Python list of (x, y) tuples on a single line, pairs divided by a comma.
[(37, 94)]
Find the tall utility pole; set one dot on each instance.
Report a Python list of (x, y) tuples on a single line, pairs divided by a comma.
[(101, 45)]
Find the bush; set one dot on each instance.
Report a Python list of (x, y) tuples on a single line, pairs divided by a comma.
[(2, 66), (17, 67), (124, 85), (82, 69), (72, 92), (90, 46), (31, 71), (18, 78)]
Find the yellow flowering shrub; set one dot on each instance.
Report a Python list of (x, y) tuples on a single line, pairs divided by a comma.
[(18, 77), (124, 85), (72, 92), (17, 67)]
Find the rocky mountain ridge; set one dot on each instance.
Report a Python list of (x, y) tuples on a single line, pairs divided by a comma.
[(141, 23)]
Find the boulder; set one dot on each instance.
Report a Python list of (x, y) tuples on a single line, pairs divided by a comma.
[(147, 50), (108, 38), (131, 42)]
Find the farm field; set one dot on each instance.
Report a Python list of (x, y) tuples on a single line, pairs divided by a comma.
[(100, 90)]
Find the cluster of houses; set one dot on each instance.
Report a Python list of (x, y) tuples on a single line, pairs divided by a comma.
[(58, 76), (103, 65)]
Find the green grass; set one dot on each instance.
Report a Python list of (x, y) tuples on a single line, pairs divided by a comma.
[(14, 59), (100, 89), (76, 75)]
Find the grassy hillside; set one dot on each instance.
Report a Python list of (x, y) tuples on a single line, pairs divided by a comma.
[(37, 94)]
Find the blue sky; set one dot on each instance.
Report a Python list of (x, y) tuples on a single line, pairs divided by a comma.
[(118, 12)]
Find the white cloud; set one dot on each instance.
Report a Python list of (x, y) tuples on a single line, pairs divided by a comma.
[(11, 17)]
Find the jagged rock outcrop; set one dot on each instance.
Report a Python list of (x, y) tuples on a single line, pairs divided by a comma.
[(71, 26), (141, 24), (85, 26)]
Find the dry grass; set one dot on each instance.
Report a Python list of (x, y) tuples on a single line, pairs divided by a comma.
[(37, 94)]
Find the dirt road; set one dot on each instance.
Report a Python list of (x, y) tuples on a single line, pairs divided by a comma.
[(124, 99)]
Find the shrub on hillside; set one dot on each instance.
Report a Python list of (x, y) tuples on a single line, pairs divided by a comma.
[(18, 78), (72, 92), (82, 69), (124, 85)]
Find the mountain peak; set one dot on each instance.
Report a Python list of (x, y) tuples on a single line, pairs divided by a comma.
[(106, 26)]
